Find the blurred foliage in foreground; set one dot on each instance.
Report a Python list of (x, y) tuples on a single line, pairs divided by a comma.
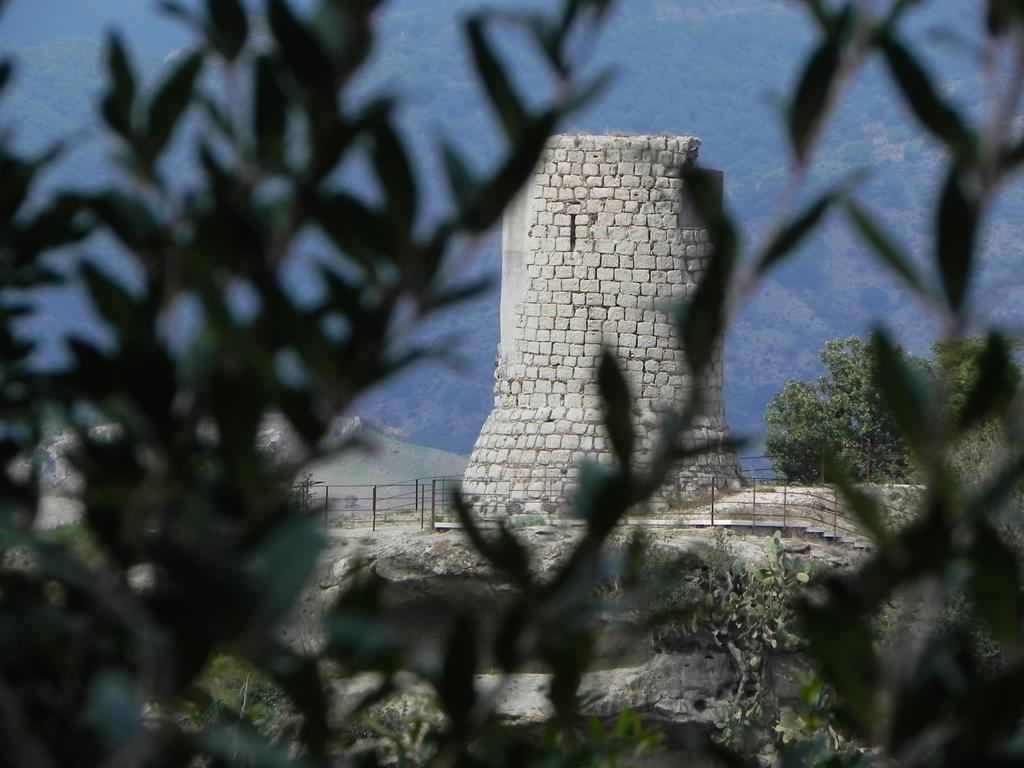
[(196, 551)]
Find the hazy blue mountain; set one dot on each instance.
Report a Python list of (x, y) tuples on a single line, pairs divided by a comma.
[(713, 68), (34, 22)]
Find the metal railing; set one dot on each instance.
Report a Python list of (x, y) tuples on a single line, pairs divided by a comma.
[(779, 504), (421, 502), (875, 469), (764, 500)]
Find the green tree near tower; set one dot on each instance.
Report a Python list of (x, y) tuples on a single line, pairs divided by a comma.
[(843, 415)]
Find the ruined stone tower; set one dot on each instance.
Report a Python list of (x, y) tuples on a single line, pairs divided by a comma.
[(594, 251)]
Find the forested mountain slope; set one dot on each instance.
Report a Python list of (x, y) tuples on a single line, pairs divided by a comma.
[(710, 68)]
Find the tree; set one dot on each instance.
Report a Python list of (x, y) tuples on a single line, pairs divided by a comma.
[(958, 366), (842, 415), (797, 438)]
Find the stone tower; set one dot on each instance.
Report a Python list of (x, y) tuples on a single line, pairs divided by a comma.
[(594, 251)]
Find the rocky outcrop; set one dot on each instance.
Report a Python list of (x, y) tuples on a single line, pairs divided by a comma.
[(432, 578), (675, 689), (670, 688), (412, 559), (682, 694)]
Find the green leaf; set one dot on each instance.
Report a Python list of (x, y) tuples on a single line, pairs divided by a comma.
[(584, 96), (996, 585), (548, 39), (509, 178), (300, 677), (956, 229), (701, 320), (996, 385), (129, 219), (811, 98), (510, 557), (887, 251), (617, 403), (904, 392), (867, 509), (300, 48), (456, 687), (280, 567), (601, 499), (998, 16), (346, 30), (238, 745), (1014, 156), (112, 709), (997, 490), (118, 103), (218, 116), (503, 552), (170, 102), (922, 691), (1003, 15), (391, 162), (930, 108), (356, 635), (463, 186), (179, 11), (356, 229), (820, 13), (457, 294), (337, 138), (507, 651), (568, 655), (503, 98), (228, 19), (16, 179), (112, 301), (842, 644), (796, 230), (58, 224), (270, 114), (6, 70)]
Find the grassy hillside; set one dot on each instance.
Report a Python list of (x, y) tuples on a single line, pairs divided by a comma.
[(387, 461), (715, 68)]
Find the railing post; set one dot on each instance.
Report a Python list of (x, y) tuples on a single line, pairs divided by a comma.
[(422, 494), (327, 498), (785, 504), (753, 514), (374, 508), (416, 497), (714, 482), (433, 504)]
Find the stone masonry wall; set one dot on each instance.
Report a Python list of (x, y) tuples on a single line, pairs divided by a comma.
[(594, 252)]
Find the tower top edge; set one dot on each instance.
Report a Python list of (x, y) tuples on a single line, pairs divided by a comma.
[(684, 142)]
